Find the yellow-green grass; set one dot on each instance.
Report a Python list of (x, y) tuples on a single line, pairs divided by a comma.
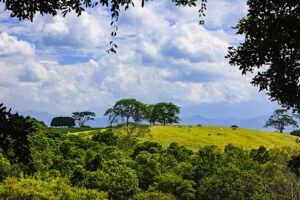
[(194, 137)]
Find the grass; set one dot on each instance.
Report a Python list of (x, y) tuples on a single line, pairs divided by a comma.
[(199, 136), (75, 130)]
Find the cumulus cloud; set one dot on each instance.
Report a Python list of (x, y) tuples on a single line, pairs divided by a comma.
[(10, 45), (163, 55)]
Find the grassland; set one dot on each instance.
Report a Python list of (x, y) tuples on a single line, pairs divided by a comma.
[(194, 137), (75, 130)]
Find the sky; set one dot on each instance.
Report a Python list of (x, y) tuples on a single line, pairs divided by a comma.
[(60, 65)]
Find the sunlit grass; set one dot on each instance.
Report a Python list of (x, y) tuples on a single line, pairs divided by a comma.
[(199, 136)]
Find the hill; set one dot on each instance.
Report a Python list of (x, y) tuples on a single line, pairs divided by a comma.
[(199, 136)]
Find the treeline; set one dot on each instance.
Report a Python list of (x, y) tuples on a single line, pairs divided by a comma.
[(126, 109), (37, 162)]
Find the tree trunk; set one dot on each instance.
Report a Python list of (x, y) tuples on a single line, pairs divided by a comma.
[(281, 130), (127, 124)]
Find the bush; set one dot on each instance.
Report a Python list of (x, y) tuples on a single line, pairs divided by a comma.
[(296, 133), (153, 196), (107, 137), (56, 189)]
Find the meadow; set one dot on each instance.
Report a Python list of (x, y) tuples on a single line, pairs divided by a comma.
[(194, 137)]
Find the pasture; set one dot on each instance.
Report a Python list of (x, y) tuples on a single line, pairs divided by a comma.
[(193, 137)]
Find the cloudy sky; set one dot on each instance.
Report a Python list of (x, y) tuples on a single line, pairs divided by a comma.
[(60, 65)]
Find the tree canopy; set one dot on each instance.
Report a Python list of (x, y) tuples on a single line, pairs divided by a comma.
[(83, 117), (280, 119), (165, 113), (63, 121), (271, 49), (125, 109)]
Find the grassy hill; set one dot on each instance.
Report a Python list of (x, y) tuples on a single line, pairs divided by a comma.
[(194, 137)]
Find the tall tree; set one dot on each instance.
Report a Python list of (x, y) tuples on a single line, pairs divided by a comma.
[(280, 119), (125, 109), (271, 49), (83, 117), (14, 131), (166, 113), (150, 115)]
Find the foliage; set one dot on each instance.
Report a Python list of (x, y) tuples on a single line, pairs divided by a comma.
[(280, 119), (106, 166), (125, 109), (82, 117), (63, 121), (296, 133), (14, 130), (153, 196), (107, 137), (132, 130), (4, 167), (271, 42), (294, 165), (165, 113), (54, 189)]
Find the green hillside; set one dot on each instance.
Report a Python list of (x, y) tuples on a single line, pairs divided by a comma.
[(199, 136)]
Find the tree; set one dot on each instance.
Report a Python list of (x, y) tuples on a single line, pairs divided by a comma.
[(149, 114), (272, 41), (82, 117), (63, 121), (125, 109), (14, 131), (26, 9), (280, 119), (166, 113)]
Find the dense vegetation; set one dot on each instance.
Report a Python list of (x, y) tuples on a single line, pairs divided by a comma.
[(63, 122), (116, 166)]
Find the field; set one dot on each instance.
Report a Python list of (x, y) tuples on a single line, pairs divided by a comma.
[(75, 130), (194, 137)]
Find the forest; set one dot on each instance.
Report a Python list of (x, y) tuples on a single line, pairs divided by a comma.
[(37, 162)]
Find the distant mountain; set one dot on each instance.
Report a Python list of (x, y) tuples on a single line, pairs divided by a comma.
[(98, 122), (256, 123), (42, 116)]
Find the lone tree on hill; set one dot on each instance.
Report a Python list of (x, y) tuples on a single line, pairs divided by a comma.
[(82, 117), (63, 121), (125, 109), (280, 119)]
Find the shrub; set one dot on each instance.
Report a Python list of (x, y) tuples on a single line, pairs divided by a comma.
[(107, 137), (296, 133), (56, 189), (153, 196)]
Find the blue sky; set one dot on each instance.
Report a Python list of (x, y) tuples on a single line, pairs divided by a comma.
[(60, 65)]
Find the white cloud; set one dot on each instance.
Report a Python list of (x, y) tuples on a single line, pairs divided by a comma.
[(160, 61), (9, 45)]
